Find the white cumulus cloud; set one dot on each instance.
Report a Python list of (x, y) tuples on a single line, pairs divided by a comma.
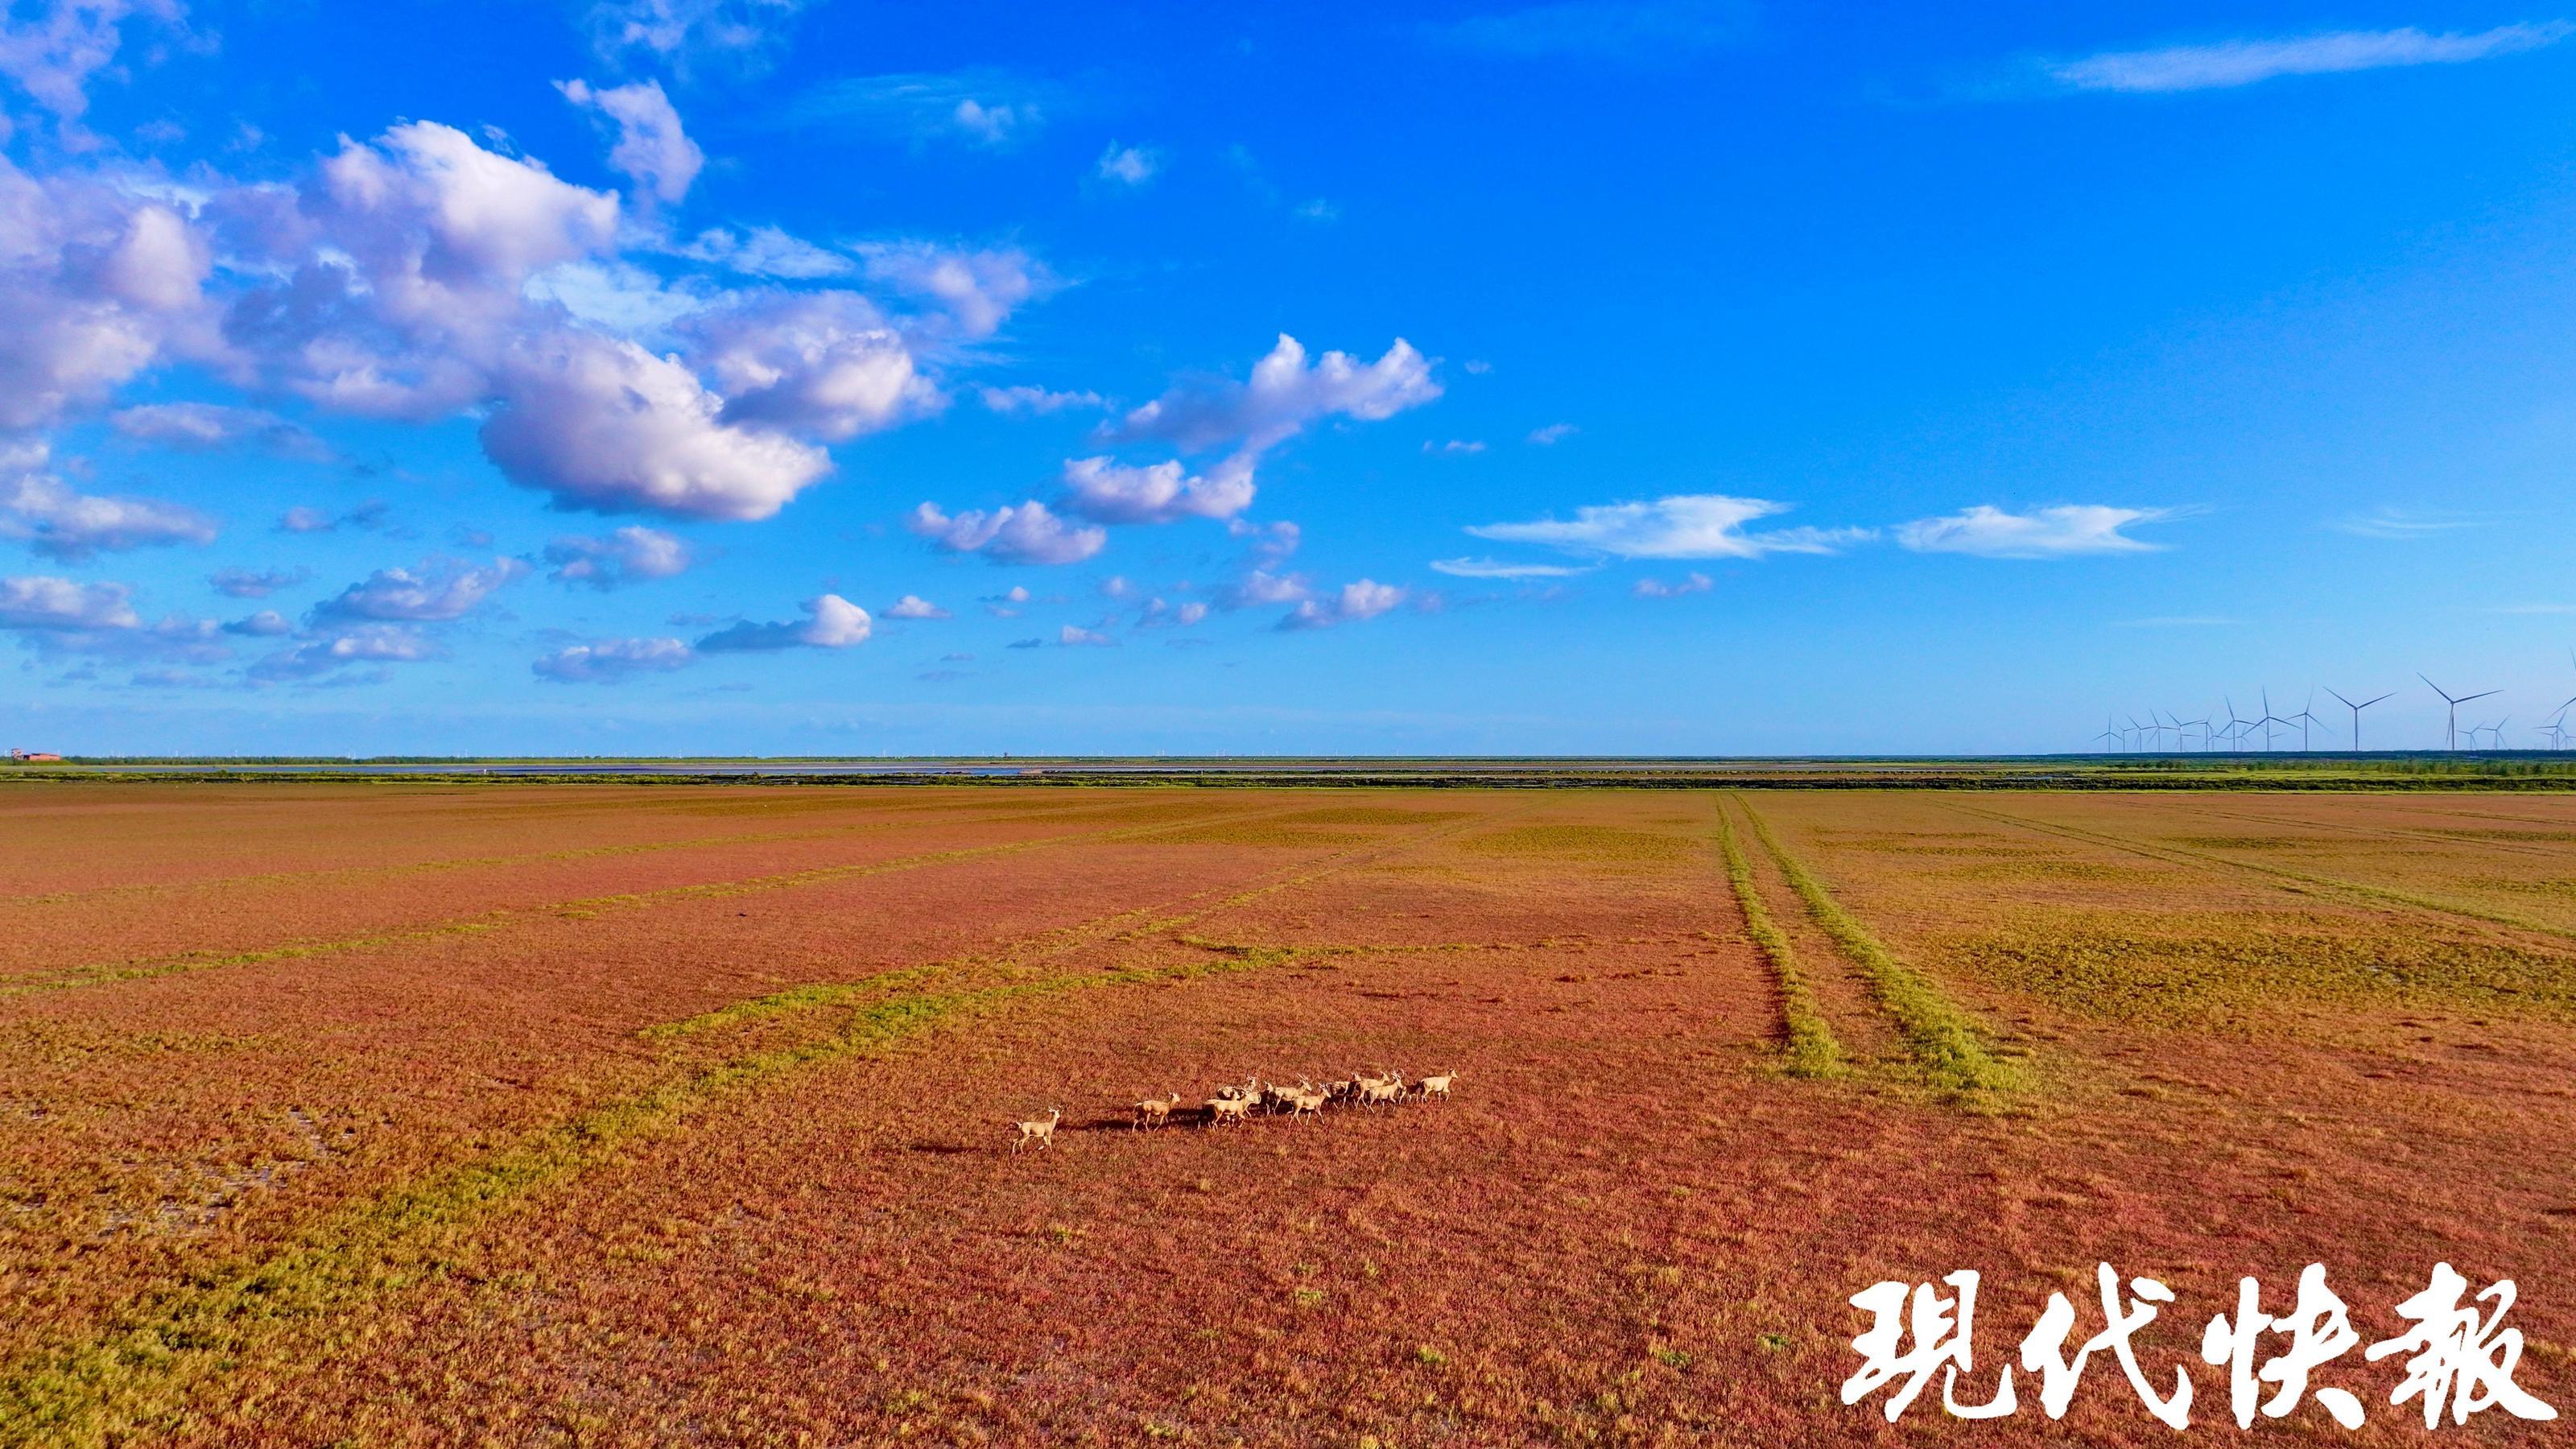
[(1014, 533), (914, 606), (1110, 492), (652, 149), (1363, 599), (832, 622), (605, 425)]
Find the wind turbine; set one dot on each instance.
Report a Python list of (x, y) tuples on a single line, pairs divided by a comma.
[(2306, 717), (2356, 716), (2237, 724), (2451, 740), (2269, 719), (2204, 731)]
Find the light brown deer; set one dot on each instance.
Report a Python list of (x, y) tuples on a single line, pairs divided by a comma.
[(1041, 1133), (1440, 1084), (1226, 1109), (1153, 1112), (1377, 1091)]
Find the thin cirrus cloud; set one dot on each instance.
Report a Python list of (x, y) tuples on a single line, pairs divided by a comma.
[(1487, 568), (1687, 584), (1128, 165), (192, 427), (691, 36), (982, 109), (2405, 524), (1680, 526), (2225, 64), (1012, 401), (243, 583), (2065, 531)]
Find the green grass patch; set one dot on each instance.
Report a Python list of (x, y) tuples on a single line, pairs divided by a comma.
[(1943, 1041), (1811, 1050), (141, 1378)]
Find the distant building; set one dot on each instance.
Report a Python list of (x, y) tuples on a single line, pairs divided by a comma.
[(35, 757)]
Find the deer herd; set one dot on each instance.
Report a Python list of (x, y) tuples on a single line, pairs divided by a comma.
[(1236, 1103)]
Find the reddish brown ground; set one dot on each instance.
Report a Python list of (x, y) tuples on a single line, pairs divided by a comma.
[(1627, 1227)]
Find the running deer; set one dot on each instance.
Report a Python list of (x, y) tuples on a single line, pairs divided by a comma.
[(1041, 1133), (1154, 1113), (1440, 1084), (1226, 1109)]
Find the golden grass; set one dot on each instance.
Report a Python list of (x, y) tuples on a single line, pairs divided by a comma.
[(2219, 971)]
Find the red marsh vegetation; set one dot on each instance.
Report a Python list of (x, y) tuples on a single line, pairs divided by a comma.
[(605, 1114)]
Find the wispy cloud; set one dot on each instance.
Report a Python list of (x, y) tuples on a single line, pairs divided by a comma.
[(2219, 65), (1686, 525), (1128, 165), (1487, 568), (1690, 583), (978, 108), (2405, 524), (2061, 532)]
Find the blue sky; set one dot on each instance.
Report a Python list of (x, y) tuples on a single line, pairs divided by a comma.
[(832, 378)]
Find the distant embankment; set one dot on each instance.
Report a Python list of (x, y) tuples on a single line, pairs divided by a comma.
[(2515, 771)]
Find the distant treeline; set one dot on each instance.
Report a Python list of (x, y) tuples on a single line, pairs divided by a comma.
[(2497, 775)]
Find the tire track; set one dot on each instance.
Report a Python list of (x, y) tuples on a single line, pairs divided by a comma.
[(138, 1374), (1809, 1049), (1941, 1036)]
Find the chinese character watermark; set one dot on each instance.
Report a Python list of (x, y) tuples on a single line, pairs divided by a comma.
[(2459, 1357)]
